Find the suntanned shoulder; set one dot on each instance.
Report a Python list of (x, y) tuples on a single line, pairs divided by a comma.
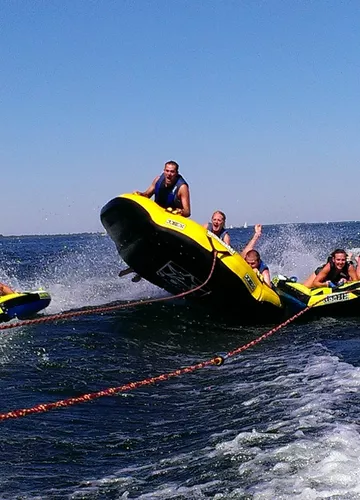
[(152, 185), (320, 279), (184, 196), (324, 271), (184, 188)]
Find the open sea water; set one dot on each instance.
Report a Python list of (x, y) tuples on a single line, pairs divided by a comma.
[(279, 421)]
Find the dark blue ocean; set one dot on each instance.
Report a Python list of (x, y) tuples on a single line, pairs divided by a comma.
[(279, 421)]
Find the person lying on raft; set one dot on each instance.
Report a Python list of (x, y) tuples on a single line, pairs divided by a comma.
[(171, 190), (335, 272), (5, 290), (253, 259), (217, 226)]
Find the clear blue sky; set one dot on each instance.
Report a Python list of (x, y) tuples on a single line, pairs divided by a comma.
[(258, 101)]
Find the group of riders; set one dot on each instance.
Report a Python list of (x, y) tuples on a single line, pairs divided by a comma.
[(171, 191), (336, 272)]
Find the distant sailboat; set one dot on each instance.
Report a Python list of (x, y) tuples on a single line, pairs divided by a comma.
[(245, 225)]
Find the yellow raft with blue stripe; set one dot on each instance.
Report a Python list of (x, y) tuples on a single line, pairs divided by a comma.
[(177, 254), (23, 305), (343, 300)]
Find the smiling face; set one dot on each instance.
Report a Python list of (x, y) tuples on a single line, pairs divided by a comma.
[(170, 173), (218, 221), (339, 260)]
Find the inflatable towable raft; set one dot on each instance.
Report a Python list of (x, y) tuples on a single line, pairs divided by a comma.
[(343, 300), (177, 254), (23, 305)]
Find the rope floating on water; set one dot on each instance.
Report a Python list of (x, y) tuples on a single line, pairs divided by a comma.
[(112, 391), (106, 309)]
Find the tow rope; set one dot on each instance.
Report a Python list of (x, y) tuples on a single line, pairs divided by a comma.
[(112, 391), (106, 309)]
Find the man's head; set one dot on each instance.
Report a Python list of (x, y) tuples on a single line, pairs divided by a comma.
[(253, 258), (339, 258), (171, 171)]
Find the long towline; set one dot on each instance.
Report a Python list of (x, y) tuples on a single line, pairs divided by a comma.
[(112, 391), (106, 309)]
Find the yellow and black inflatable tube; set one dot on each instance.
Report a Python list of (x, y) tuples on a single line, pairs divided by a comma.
[(323, 301), (23, 305), (176, 254)]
